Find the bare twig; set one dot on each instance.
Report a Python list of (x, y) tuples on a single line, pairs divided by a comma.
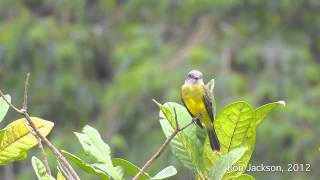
[(165, 144), (25, 94), (42, 138), (25, 108)]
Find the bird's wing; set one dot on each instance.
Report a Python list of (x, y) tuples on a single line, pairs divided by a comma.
[(207, 99), (198, 122)]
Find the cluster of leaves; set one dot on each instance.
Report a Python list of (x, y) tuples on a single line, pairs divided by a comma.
[(105, 166), (16, 139), (236, 129)]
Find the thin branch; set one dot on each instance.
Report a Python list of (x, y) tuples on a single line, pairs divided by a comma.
[(53, 149), (25, 95), (165, 144), (25, 109)]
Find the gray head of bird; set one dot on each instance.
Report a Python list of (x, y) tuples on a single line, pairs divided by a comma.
[(194, 76)]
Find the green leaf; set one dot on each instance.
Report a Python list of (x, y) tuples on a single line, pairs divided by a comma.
[(232, 125), (235, 127), (244, 177), (115, 172), (4, 106), (185, 146), (263, 111), (94, 146), (85, 166), (225, 162), (15, 139), (209, 157), (129, 168), (165, 173), (40, 169)]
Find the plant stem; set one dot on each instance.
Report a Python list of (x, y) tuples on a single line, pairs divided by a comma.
[(157, 154)]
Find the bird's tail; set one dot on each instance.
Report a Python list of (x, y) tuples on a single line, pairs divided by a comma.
[(214, 142)]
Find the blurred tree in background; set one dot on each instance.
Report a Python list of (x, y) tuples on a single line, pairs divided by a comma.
[(101, 62)]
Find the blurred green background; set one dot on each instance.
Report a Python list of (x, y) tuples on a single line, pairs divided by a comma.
[(100, 62)]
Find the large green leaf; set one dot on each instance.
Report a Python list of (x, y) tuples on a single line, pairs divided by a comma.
[(94, 146), (225, 162), (15, 139), (129, 168), (185, 146), (40, 169), (85, 166), (263, 111), (235, 127), (233, 124), (165, 173), (4, 106)]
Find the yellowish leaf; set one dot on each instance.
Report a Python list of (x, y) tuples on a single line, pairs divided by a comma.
[(15, 139)]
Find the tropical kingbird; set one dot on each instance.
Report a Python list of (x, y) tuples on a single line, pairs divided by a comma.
[(197, 99)]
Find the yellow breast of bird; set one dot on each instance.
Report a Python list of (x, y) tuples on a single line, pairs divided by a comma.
[(192, 96)]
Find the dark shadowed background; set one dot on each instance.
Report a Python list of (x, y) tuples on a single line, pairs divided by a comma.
[(101, 62)]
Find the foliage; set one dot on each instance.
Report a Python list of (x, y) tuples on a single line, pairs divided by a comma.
[(104, 165), (235, 127)]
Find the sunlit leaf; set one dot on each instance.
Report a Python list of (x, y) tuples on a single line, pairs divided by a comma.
[(264, 110), (235, 127), (165, 173), (40, 169), (15, 139), (4, 106), (225, 162)]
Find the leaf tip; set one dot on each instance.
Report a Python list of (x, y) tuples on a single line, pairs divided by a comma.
[(156, 102), (283, 103)]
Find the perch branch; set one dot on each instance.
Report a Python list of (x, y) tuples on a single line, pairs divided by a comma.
[(165, 144), (25, 108), (42, 138)]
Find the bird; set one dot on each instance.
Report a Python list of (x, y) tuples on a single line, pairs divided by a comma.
[(197, 99)]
